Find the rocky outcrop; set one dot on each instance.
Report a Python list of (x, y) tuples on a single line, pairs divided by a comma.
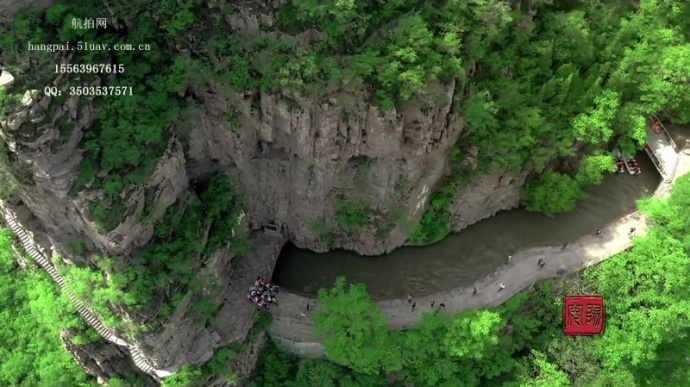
[(9, 8), (293, 159), (104, 360), (52, 165), (485, 196)]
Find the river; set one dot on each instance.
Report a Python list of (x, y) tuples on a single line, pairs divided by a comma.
[(462, 258)]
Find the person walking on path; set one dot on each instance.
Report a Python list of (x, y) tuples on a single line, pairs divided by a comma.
[(308, 307), (598, 233), (474, 291), (432, 303), (409, 299), (564, 246), (631, 233), (414, 304), (501, 287), (441, 306), (541, 263), (509, 258)]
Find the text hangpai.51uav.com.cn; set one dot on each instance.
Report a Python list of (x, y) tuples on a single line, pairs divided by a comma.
[(88, 46)]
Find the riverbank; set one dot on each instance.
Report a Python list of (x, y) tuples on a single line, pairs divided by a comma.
[(521, 273), (462, 258)]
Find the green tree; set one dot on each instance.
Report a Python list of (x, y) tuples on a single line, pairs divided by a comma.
[(594, 167), (595, 126), (553, 193), (354, 329), (32, 315), (429, 365), (539, 372), (470, 335)]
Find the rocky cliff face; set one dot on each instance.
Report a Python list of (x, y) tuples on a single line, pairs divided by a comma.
[(290, 166), (485, 196), (9, 8), (105, 361), (294, 159), (51, 165)]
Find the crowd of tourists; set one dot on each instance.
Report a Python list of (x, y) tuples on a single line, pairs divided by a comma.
[(262, 293)]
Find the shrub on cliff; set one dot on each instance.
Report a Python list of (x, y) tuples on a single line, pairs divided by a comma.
[(351, 214), (33, 313)]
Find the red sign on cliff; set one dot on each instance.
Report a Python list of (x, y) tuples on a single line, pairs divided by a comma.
[(583, 315)]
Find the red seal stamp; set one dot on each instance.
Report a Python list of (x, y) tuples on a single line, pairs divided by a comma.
[(583, 315)]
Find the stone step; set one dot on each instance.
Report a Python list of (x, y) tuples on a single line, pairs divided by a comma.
[(31, 249)]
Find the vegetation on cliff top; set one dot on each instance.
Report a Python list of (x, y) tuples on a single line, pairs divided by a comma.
[(574, 77), (533, 81), (521, 343)]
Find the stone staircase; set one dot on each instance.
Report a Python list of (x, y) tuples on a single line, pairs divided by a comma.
[(40, 257)]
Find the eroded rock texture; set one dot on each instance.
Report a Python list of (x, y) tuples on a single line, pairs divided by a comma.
[(292, 159), (104, 360), (9, 8)]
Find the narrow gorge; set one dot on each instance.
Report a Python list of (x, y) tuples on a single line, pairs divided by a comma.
[(359, 133)]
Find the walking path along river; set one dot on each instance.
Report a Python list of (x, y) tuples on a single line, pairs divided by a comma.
[(522, 271)]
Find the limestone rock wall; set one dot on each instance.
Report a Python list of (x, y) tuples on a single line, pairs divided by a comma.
[(51, 165), (485, 196), (295, 158), (104, 360), (9, 8), (292, 158)]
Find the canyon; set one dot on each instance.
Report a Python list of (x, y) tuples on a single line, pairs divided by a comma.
[(337, 171)]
